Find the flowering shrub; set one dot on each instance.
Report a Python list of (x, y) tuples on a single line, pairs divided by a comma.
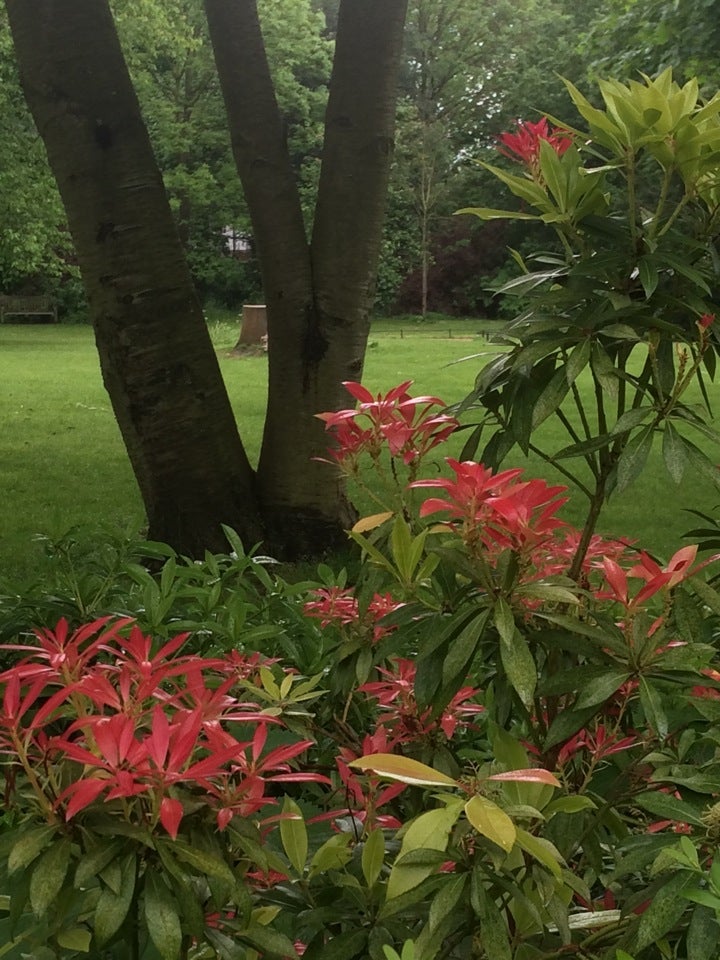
[(505, 761), (138, 780), (588, 679)]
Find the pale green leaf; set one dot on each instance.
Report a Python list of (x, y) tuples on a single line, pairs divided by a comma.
[(373, 856), (491, 821), (293, 835), (429, 831), (403, 769)]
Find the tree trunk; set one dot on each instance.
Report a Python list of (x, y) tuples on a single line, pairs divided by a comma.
[(318, 295), (156, 357)]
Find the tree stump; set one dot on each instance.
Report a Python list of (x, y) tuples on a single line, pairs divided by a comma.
[(254, 325)]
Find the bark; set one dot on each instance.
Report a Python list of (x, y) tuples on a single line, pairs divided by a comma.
[(318, 294), (156, 357)]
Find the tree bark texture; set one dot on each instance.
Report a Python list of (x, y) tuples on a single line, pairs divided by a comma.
[(157, 360), (319, 293)]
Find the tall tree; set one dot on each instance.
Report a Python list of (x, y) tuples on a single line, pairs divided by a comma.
[(319, 292), (157, 360)]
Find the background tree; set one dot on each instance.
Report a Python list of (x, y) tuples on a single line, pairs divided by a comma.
[(35, 247), (627, 36), (469, 70)]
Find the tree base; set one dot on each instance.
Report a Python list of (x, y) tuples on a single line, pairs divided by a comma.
[(292, 535)]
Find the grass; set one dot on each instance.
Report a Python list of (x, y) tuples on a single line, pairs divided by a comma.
[(64, 464)]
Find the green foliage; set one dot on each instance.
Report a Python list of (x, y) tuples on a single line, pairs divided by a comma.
[(626, 38), (34, 245)]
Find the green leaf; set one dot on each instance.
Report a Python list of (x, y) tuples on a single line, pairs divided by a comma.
[(460, 655), (542, 850), (604, 369), (332, 855), (112, 908), (630, 420), (674, 453), (28, 847), (652, 703), (493, 933), (667, 807), (551, 398), (344, 946), (633, 458), (268, 940), (161, 917), (429, 831), (577, 361), (555, 174), (487, 213), (565, 724), (574, 804), (491, 821), (373, 856), (649, 276), (445, 900), (519, 666), (293, 834), (76, 938), (601, 688), (204, 863), (504, 620), (403, 769), (227, 948), (666, 908), (522, 187), (48, 876), (703, 934), (94, 862)]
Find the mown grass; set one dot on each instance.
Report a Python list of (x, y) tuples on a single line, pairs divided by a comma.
[(62, 461)]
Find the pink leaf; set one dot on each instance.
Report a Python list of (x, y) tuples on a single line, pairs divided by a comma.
[(532, 775)]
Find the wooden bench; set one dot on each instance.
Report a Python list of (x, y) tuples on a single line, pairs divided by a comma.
[(28, 307)]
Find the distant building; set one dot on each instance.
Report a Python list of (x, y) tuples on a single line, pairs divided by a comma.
[(238, 245)]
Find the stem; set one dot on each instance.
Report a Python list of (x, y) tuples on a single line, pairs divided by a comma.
[(583, 488), (596, 501), (674, 215), (562, 417), (662, 199), (632, 218), (581, 410)]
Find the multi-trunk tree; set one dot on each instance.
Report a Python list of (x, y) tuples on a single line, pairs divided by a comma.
[(157, 360)]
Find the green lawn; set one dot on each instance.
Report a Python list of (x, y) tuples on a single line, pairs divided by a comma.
[(62, 461)]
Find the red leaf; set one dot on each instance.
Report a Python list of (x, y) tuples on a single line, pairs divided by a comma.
[(171, 814), (81, 793)]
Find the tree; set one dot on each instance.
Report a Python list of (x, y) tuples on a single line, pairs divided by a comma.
[(626, 37), (157, 360)]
